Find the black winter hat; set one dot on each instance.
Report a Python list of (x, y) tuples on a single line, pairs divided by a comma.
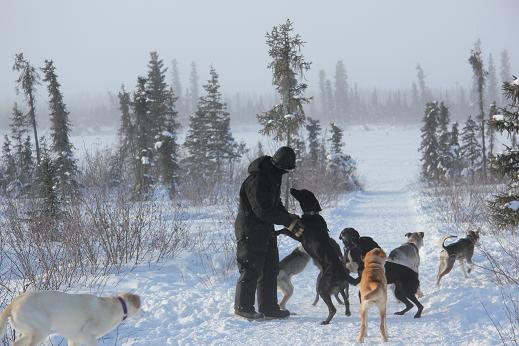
[(284, 158)]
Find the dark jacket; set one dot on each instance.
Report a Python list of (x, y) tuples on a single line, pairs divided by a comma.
[(260, 204)]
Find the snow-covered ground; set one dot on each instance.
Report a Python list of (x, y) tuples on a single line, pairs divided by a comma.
[(182, 307)]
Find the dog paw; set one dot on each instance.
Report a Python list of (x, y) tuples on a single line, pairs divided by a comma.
[(323, 323), (418, 315), (348, 313), (361, 340), (399, 312)]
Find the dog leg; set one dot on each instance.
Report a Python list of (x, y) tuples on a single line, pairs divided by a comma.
[(412, 297), (344, 294), (316, 300), (363, 322), (338, 299), (449, 264), (469, 262), (331, 309), (462, 265), (400, 295), (287, 290), (383, 327)]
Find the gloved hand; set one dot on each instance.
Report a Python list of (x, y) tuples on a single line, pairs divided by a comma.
[(293, 216), (296, 227)]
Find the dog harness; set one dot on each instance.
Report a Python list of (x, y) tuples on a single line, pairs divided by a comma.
[(125, 308)]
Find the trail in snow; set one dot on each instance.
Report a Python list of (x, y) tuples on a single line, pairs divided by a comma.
[(182, 310)]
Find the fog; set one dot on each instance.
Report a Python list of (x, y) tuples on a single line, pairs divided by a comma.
[(97, 45)]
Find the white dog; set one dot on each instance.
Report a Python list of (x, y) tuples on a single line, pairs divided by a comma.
[(81, 318)]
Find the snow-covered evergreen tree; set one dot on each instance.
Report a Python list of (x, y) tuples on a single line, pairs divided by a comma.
[(8, 166), (176, 85), (480, 75), (65, 163), (164, 125), (456, 164), (431, 171), (288, 64), (197, 162), (425, 93), (27, 81), (443, 141), (313, 128), (48, 190), (490, 130), (221, 144), (143, 139), (505, 206), (340, 165), (470, 150)]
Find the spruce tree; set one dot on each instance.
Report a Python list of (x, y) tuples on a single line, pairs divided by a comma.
[(480, 75), (471, 151), (490, 130), (27, 81), (443, 140), (425, 94), (341, 93), (221, 144), (8, 166), (197, 162), (65, 164), (21, 147), (143, 140), (176, 85), (163, 123), (287, 65), (193, 89), (505, 205), (126, 129), (429, 146), (340, 165), (456, 164), (492, 92), (313, 128), (48, 177)]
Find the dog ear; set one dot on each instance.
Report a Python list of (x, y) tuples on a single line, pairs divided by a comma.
[(133, 299), (421, 234), (407, 235)]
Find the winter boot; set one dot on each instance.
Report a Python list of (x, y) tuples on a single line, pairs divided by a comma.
[(276, 314), (249, 314)]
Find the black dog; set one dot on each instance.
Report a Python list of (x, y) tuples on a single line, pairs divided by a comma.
[(355, 248), (317, 243)]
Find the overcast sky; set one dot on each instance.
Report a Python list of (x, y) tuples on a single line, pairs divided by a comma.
[(99, 44)]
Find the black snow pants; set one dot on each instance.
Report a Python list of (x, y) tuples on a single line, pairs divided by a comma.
[(258, 263)]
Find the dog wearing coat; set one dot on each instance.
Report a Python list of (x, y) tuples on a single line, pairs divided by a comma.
[(373, 291), (81, 318)]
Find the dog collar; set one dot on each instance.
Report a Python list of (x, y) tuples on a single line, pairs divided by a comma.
[(125, 308), (310, 213)]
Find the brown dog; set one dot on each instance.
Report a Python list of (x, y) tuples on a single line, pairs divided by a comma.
[(373, 290)]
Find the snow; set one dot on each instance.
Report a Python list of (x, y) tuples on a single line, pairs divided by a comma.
[(158, 145), (514, 205), (185, 303), (515, 81), (289, 117), (498, 117), (145, 160)]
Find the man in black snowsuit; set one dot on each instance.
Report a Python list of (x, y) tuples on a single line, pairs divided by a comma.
[(257, 251)]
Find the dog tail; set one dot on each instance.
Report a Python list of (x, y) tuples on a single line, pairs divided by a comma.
[(372, 289), (445, 238), (3, 319)]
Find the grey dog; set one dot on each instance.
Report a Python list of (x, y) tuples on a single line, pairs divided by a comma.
[(289, 266), (462, 250)]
